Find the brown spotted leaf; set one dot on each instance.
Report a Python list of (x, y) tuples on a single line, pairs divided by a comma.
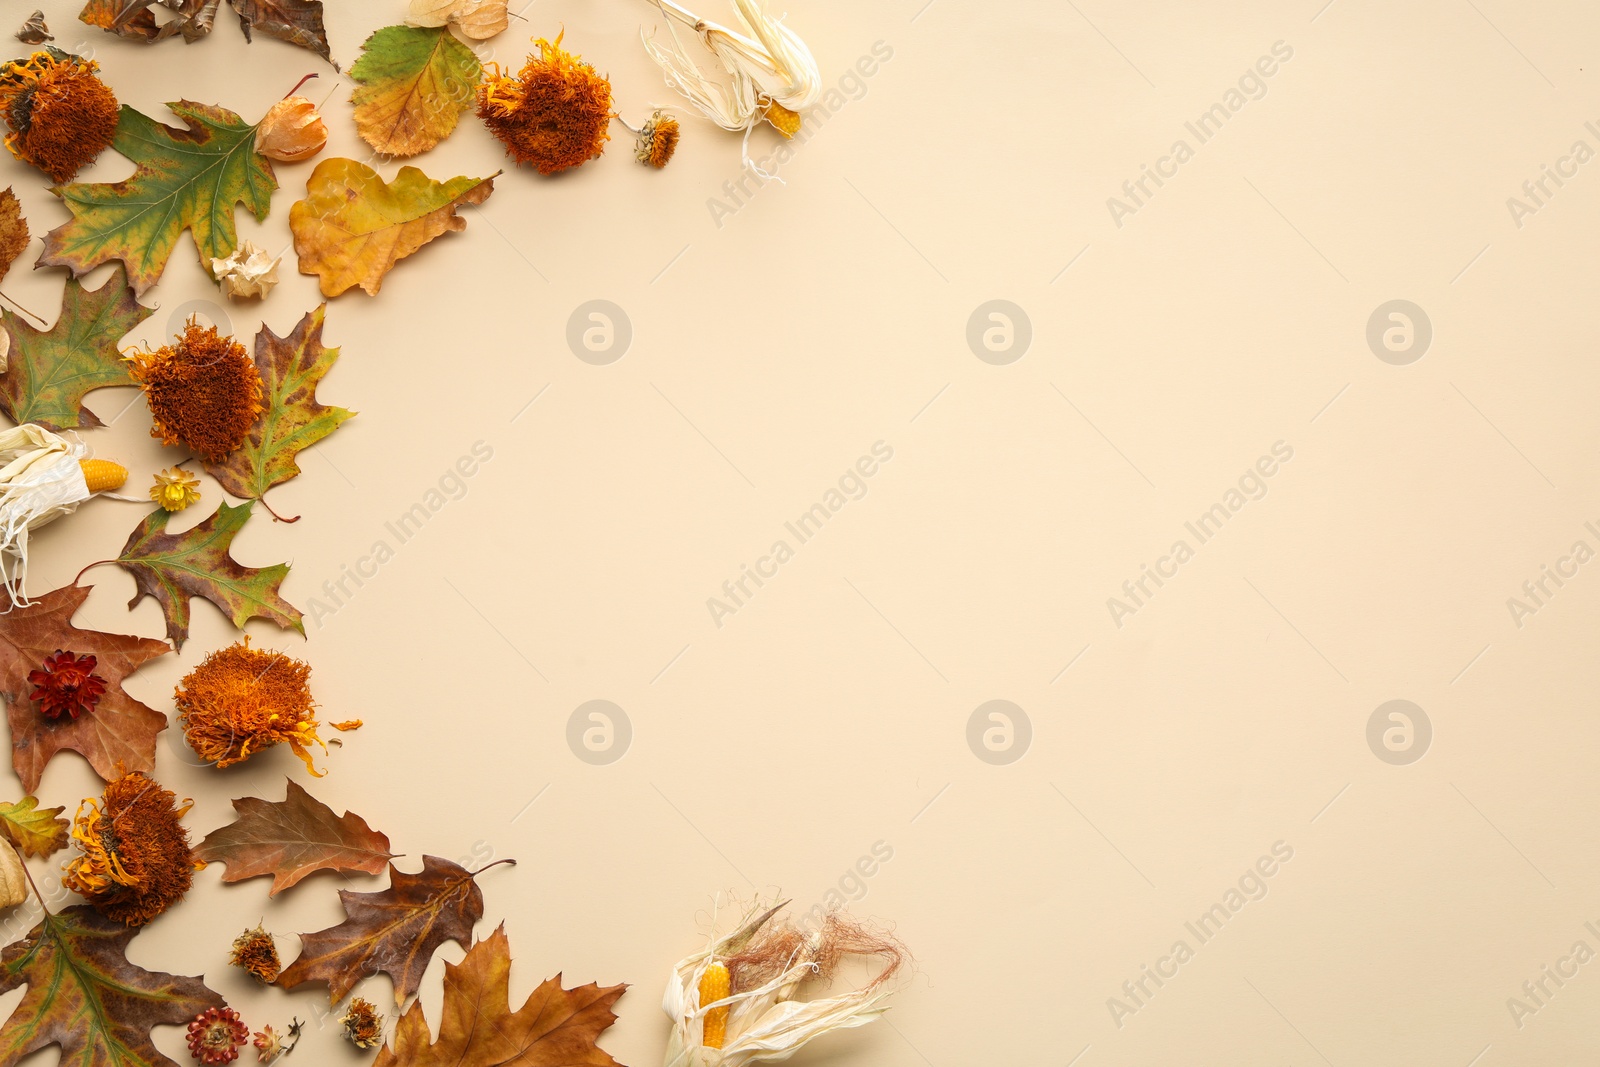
[(34, 830), (291, 838), (172, 568), (394, 931), (555, 1027), (13, 230), (119, 733), (85, 996), (290, 369), (296, 21)]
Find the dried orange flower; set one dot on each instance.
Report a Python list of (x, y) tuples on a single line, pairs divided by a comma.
[(657, 140), (61, 115), (553, 114), (175, 489), (203, 391), (243, 699), (66, 684), (270, 1044), (255, 951), (215, 1036), (134, 860), (362, 1024)]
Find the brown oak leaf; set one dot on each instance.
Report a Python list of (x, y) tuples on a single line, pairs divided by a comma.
[(85, 996), (555, 1028), (118, 734), (291, 838), (394, 931)]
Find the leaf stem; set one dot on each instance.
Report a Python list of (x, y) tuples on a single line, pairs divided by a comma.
[(25, 311), (275, 516), (96, 563), (297, 85), (29, 876), (496, 863)]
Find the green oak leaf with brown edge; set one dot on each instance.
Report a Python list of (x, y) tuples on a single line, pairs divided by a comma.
[(292, 838), (84, 995), (51, 370), (186, 179), (394, 931), (172, 568), (118, 734), (34, 830), (290, 367)]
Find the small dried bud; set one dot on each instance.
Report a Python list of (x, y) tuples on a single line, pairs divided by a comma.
[(292, 131), (362, 1024), (255, 951)]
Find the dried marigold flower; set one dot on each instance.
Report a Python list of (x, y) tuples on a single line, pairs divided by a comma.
[(241, 700), (553, 114), (175, 489), (134, 860), (216, 1034), (657, 140), (204, 391), (61, 115), (66, 684), (362, 1024), (255, 951)]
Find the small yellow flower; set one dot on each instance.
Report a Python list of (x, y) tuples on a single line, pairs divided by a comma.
[(175, 489)]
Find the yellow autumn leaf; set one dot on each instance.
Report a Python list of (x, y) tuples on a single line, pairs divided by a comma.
[(353, 227)]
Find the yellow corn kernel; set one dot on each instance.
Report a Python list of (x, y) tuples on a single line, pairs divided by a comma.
[(102, 474), (714, 987)]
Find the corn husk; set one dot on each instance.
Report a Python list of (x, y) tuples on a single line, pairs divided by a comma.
[(765, 1023), (767, 63), (40, 480)]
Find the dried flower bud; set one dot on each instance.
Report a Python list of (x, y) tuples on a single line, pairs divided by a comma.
[(292, 131), (363, 1026), (255, 951)]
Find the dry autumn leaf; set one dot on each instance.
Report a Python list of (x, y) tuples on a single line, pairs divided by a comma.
[(36, 831), (186, 179), (478, 20), (296, 21), (85, 996), (353, 226), (291, 367), (394, 931), (13, 230), (119, 732), (172, 568), (555, 1027), (411, 87), (52, 370), (292, 838)]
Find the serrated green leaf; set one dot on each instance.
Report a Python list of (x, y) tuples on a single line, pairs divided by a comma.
[(412, 86), (51, 370), (186, 179), (85, 996), (172, 568)]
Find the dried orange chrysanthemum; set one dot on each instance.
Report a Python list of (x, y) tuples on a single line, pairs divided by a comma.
[(243, 699), (553, 114), (61, 115), (134, 860), (657, 140), (255, 951), (204, 391), (175, 489)]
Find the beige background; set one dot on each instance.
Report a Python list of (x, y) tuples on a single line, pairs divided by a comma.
[(831, 711)]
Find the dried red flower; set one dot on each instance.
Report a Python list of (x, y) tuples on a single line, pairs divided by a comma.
[(66, 684), (553, 114), (215, 1036), (61, 115)]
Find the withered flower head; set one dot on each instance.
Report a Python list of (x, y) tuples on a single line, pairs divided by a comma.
[(553, 114), (175, 489), (61, 115), (203, 391), (66, 684), (362, 1024), (243, 699), (658, 139), (215, 1036), (134, 860), (255, 951)]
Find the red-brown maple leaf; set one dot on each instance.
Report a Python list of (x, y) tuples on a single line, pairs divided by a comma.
[(119, 734), (291, 838)]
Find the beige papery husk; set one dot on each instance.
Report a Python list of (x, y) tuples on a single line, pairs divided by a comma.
[(771, 963), (40, 480)]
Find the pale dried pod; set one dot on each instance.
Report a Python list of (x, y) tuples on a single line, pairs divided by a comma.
[(13, 880), (293, 130), (249, 273), (476, 20)]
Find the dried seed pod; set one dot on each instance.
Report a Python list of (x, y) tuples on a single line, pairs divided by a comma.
[(292, 130), (13, 880)]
